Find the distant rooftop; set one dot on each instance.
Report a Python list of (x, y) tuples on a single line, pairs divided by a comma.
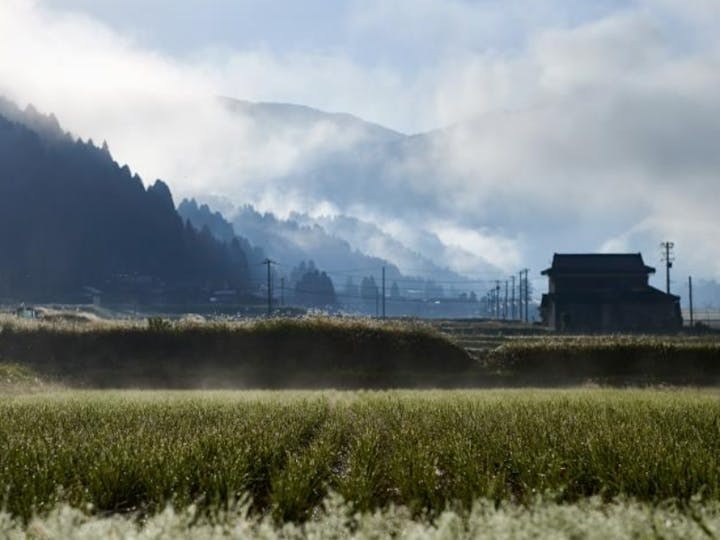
[(592, 263)]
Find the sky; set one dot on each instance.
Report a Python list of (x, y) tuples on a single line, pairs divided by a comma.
[(565, 125), (408, 48)]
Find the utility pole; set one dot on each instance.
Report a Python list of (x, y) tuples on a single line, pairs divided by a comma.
[(495, 305), (668, 259), (520, 296), (497, 299), (690, 295), (512, 298), (527, 296), (282, 292), (383, 292), (505, 303), (268, 262)]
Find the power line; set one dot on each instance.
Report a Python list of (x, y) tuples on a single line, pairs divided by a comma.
[(496, 306), (351, 270), (358, 272)]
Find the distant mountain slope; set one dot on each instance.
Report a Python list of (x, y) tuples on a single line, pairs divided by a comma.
[(372, 240), (273, 116), (360, 169), (201, 217), (71, 217), (356, 275), (289, 243)]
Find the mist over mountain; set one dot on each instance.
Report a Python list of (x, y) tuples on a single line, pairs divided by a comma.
[(365, 156), (333, 243), (319, 269), (573, 128), (73, 220), (202, 217), (274, 117), (369, 238), (89, 227), (364, 172), (418, 200), (287, 242)]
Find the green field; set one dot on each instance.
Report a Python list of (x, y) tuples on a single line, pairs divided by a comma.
[(410, 455), (585, 462)]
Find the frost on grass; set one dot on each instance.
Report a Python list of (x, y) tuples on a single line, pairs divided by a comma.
[(590, 518), (17, 379)]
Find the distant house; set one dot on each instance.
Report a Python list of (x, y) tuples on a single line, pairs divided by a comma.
[(26, 312), (606, 293)]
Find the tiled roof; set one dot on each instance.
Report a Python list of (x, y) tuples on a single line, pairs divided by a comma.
[(592, 263)]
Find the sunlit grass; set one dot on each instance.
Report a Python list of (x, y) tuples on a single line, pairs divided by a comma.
[(426, 451), (590, 518)]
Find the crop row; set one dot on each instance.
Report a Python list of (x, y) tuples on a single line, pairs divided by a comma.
[(138, 451)]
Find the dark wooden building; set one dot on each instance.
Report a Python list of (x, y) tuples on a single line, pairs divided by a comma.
[(606, 293)]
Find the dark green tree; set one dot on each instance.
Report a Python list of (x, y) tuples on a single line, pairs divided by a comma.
[(315, 289)]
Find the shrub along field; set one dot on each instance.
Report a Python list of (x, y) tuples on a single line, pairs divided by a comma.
[(318, 352), (313, 352), (137, 452), (611, 360)]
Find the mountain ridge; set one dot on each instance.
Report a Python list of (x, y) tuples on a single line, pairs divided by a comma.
[(273, 111), (73, 219)]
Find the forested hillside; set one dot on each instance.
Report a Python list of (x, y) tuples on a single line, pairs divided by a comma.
[(72, 219)]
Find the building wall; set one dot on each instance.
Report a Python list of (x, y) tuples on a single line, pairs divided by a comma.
[(615, 316)]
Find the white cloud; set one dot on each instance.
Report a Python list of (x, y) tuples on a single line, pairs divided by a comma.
[(504, 252), (610, 131), (569, 136), (159, 114)]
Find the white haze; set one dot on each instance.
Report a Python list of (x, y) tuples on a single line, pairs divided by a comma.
[(601, 135)]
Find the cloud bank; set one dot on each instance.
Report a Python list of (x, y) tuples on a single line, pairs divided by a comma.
[(557, 129)]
